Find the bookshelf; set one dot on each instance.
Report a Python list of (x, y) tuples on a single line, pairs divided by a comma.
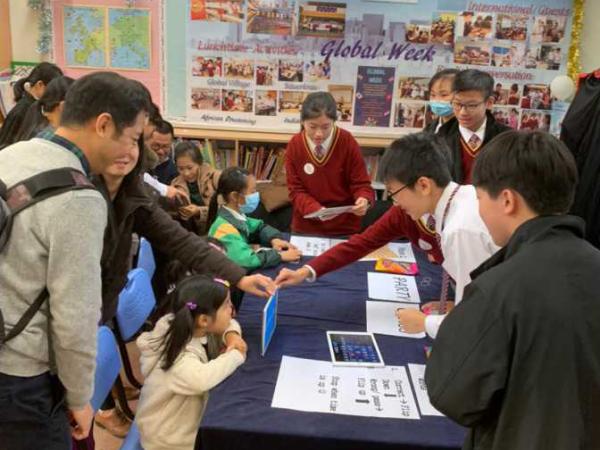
[(262, 153)]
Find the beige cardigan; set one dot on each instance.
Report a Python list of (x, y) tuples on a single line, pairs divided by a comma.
[(172, 403), (208, 181)]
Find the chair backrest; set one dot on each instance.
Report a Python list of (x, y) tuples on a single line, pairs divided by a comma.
[(145, 258), (132, 440), (136, 302), (108, 364)]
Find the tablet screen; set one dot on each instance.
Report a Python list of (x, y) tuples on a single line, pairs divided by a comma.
[(354, 349)]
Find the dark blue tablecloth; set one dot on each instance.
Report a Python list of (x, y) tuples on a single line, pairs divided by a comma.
[(239, 414)]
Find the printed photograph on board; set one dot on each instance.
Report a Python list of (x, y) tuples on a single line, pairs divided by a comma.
[(536, 96), (418, 33), (507, 115), (235, 68), (236, 100), (413, 88), (535, 120), (271, 17), (322, 19), (207, 66), (470, 52), (344, 96), (317, 71), (266, 103), (410, 115), (218, 10), (507, 93), (206, 99), (511, 27), (508, 54), (290, 102), (544, 57), (442, 28), (549, 29), (475, 26), (291, 70), (266, 73)]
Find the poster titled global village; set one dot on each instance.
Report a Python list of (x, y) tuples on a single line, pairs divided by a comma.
[(251, 63)]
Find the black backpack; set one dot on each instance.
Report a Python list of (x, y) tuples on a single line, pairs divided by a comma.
[(21, 196)]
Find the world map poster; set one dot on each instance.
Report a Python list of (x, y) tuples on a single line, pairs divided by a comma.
[(98, 37)]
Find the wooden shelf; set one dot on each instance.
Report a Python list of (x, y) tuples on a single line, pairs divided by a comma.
[(181, 130)]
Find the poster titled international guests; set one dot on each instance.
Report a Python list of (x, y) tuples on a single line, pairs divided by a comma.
[(251, 63)]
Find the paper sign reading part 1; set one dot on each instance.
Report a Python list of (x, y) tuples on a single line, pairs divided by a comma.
[(397, 288)]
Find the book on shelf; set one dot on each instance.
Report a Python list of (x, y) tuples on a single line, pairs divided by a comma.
[(264, 161)]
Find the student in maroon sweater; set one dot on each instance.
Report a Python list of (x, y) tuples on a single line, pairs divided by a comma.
[(325, 168), (472, 96)]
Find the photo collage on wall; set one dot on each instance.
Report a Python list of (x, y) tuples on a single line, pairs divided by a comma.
[(258, 70)]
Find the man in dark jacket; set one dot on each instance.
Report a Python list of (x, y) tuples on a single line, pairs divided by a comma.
[(518, 360), (581, 132), (473, 125)]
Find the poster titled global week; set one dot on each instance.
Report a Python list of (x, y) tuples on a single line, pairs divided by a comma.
[(251, 63)]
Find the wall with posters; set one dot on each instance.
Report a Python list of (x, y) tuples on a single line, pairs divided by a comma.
[(250, 63), (93, 35)]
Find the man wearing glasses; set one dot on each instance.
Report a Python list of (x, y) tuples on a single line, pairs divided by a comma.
[(161, 143), (473, 125)]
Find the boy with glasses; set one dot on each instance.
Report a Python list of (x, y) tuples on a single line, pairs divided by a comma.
[(416, 173), (473, 124)]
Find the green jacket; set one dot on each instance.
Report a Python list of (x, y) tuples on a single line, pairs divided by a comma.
[(238, 235)]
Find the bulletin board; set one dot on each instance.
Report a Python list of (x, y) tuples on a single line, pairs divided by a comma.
[(248, 64), (117, 35)]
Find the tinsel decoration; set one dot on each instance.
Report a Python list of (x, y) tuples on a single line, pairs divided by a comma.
[(573, 63), (42, 7)]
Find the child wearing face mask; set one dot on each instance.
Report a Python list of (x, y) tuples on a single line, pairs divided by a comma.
[(245, 238), (440, 97)]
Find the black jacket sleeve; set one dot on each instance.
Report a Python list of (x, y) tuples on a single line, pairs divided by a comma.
[(171, 238), (469, 361)]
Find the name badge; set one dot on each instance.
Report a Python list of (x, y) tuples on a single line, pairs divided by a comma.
[(424, 245), (309, 169)]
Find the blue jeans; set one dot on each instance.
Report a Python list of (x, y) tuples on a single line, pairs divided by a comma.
[(33, 413)]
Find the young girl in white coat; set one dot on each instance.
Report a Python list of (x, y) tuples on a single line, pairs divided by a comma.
[(182, 359)]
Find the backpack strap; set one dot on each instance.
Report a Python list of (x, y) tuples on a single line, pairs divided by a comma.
[(43, 185), (25, 318), (23, 195)]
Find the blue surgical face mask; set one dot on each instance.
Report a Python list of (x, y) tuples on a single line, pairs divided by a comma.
[(441, 109), (251, 204)]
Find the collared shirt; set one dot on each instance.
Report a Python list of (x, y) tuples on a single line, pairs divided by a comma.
[(63, 142), (466, 133), (326, 144), (465, 241), (237, 215)]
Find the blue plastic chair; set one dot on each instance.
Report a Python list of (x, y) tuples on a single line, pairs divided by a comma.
[(108, 364), (132, 440), (136, 302), (145, 259)]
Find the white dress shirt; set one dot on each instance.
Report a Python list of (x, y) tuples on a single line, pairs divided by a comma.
[(155, 184), (326, 144), (466, 133), (465, 241)]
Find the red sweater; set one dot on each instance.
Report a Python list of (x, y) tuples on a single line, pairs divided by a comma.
[(339, 179), (468, 159), (394, 224)]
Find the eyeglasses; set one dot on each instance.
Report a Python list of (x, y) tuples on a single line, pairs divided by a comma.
[(469, 107), (391, 195)]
